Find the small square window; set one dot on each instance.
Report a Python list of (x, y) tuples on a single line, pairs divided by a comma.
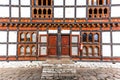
[(74, 39), (81, 13), (12, 36), (12, 49), (69, 12)]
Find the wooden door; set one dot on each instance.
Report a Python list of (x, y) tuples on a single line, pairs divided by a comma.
[(52, 45), (65, 40)]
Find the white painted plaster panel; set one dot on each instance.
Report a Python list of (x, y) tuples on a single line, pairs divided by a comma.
[(4, 11), (115, 11), (58, 2), (4, 2), (3, 36), (12, 36), (115, 2), (12, 49), (116, 37), (81, 2), (52, 31), (74, 39), (14, 2), (106, 50), (58, 12), (44, 39), (74, 51), (42, 32), (43, 51), (69, 2), (116, 50), (25, 2), (65, 31), (69, 13), (14, 12), (105, 37), (25, 11), (81, 12), (76, 32), (3, 49)]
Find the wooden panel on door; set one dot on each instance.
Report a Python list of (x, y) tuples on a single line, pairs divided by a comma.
[(65, 40), (52, 45)]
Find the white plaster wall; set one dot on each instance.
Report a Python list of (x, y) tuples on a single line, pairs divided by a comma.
[(14, 2), (14, 12), (115, 11), (115, 1), (81, 2), (74, 51), (4, 11), (106, 50), (58, 12), (116, 50), (52, 31), (42, 32), (81, 12), (58, 2), (69, 12), (69, 2), (25, 11), (12, 36), (25, 2), (65, 31), (3, 49), (105, 37), (76, 32), (12, 49), (116, 37), (3, 36), (4, 2)]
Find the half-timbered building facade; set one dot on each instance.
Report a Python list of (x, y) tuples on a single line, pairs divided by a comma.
[(81, 29)]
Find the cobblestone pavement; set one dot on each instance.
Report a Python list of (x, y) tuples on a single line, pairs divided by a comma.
[(82, 73)]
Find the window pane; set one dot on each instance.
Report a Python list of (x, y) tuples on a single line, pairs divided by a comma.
[(74, 39), (3, 49), (96, 51), (22, 51), (43, 39), (27, 51), (74, 50), (43, 50), (96, 37), (12, 36), (22, 35), (90, 51), (12, 49), (84, 37), (28, 36), (90, 2), (33, 50), (90, 37), (95, 2), (14, 12), (34, 37), (84, 51), (25, 11)]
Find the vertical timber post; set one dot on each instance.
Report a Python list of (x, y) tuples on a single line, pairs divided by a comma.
[(59, 42)]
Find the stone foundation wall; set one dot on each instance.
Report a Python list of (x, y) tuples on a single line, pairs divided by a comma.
[(14, 64)]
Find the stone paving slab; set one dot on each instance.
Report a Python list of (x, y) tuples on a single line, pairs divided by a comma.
[(82, 73)]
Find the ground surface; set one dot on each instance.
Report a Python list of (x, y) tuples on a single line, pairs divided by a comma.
[(82, 73)]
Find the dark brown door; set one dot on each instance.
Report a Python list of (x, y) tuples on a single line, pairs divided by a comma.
[(52, 45), (65, 40)]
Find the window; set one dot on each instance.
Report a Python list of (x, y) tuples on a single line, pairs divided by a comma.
[(96, 51), (39, 2), (84, 37), (33, 50), (90, 51), (35, 2), (95, 2), (96, 37), (105, 11), (35, 11), (28, 37), (22, 37), (44, 11), (49, 11), (90, 37), (49, 2), (90, 2), (100, 2), (27, 51), (84, 51), (34, 37), (44, 2), (95, 11), (21, 51), (40, 11)]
